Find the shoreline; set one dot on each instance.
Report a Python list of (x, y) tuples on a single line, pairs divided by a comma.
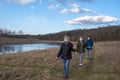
[(27, 41)]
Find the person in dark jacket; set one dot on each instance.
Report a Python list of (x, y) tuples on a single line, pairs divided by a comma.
[(89, 46), (65, 54), (81, 49)]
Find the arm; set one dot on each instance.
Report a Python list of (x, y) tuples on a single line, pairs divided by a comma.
[(85, 45), (77, 46), (73, 47), (60, 51)]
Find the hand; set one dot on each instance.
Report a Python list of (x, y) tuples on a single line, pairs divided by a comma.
[(89, 47), (74, 47), (57, 57)]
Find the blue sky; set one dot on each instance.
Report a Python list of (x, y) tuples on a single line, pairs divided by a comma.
[(49, 16)]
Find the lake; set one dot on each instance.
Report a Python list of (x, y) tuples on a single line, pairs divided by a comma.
[(15, 48)]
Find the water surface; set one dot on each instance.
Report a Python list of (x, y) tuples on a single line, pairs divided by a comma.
[(15, 48)]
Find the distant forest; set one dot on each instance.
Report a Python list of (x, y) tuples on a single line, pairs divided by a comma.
[(108, 33)]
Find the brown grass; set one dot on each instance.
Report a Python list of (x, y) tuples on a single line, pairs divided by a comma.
[(106, 64), (42, 65), (31, 65), (7, 40)]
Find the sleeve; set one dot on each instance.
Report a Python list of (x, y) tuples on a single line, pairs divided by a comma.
[(77, 46), (72, 47), (60, 51), (85, 45)]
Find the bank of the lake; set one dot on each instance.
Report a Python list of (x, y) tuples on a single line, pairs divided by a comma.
[(7, 40)]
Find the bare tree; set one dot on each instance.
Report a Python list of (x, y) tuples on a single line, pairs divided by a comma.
[(20, 32)]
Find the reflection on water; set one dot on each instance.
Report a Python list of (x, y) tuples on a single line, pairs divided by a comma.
[(24, 47)]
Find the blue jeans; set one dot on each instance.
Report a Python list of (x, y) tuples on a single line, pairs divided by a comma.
[(81, 57), (66, 67), (89, 54)]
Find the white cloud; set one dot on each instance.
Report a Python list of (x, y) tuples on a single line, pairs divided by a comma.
[(53, 7), (22, 2), (76, 9), (92, 20)]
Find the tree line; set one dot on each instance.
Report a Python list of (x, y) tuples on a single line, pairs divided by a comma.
[(107, 33), (6, 32)]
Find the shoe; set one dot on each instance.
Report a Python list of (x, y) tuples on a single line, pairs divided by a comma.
[(81, 64), (90, 59), (66, 77)]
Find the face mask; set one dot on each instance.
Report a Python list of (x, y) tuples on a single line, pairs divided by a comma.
[(80, 39), (88, 38), (65, 40)]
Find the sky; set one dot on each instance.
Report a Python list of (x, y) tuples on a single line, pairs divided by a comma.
[(51, 16)]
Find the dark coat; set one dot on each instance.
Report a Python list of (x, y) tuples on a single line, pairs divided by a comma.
[(81, 47), (89, 44), (65, 50)]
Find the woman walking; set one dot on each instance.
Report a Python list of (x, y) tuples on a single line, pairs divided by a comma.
[(65, 54), (81, 50)]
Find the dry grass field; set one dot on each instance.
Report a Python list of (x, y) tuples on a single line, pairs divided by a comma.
[(42, 64), (7, 40)]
